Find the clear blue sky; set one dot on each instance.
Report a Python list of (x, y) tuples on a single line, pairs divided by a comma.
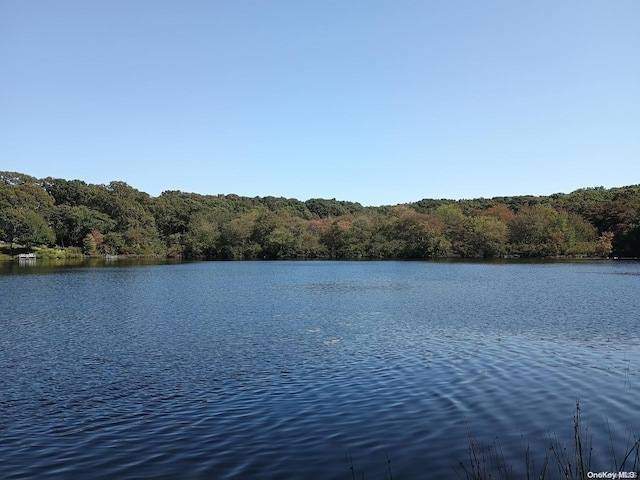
[(380, 102)]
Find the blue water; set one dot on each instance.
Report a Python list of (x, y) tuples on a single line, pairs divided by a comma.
[(306, 369)]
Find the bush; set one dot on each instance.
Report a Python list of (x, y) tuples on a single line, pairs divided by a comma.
[(57, 253)]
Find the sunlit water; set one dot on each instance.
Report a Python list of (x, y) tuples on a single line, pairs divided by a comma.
[(305, 369)]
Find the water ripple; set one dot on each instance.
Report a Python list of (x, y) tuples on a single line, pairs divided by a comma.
[(262, 370)]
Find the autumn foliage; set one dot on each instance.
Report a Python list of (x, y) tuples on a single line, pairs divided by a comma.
[(118, 219)]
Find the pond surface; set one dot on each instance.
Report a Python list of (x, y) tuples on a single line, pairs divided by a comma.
[(296, 370)]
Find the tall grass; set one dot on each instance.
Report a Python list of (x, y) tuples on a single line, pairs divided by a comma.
[(487, 461), (388, 475)]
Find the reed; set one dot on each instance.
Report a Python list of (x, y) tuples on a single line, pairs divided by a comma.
[(486, 461), (388, 475)]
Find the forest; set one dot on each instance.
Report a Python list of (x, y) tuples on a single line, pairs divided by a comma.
[(62, 218)]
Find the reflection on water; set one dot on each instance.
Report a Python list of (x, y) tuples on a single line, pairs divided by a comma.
[(285, 369), (46, 265)]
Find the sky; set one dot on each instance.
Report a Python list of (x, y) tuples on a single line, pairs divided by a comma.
[(377, 102)]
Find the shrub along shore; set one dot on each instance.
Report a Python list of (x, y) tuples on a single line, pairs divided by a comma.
[(67, 218)]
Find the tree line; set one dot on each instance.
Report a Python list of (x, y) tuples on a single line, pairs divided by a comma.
[(119, 219)]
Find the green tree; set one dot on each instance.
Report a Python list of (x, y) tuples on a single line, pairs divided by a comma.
[(130, 209), (281, 243), (19, 225), (73, 223), (416, 235), (73, 193), (201, 239), (235, 239), (485, 236), (543, 231), (454, 222), (529, 231), (114, 243), (173, 211), (336, 237), (21, 192), (89, 245)]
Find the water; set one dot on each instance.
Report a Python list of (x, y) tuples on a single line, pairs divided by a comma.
[(297, 369)]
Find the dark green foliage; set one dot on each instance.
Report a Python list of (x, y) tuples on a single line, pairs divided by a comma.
[(322, 208), (23, 226), (73, 223), (236, 238), (118, 219), (114, 243), (173, 211), (72, 192), (201, 239)]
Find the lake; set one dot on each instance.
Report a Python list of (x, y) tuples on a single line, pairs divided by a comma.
[(292, 370)]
